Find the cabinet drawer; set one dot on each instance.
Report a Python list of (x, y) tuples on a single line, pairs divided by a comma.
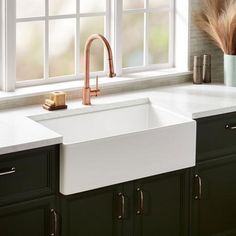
[(28, 174), (216, 136)]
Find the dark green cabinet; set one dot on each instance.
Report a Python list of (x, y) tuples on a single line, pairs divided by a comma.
[(28, 218), (28, 191), (213, 191), (162, 205), (214, 197), (216, 136), (29, 174), (92, 213), (148, 207)]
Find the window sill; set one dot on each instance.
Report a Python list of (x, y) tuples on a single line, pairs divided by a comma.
[(163, 76)]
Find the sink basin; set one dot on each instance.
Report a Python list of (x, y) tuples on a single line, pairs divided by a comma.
[(121, 142)]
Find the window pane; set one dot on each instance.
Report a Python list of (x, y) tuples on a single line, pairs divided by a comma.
[(92, 6), (61, 47), (133, 39), (30, 8), (132, 4), (62, 7), (29, 50), (159, 3), (159, 38), (88, 26)]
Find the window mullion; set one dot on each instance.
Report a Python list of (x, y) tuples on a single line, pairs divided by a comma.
[(171, 33), (46, 41), (9, 81), (107, 31), (146, 33), (108, 20), (117, 12), (77, 40)]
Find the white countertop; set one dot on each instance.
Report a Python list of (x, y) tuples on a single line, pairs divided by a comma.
[(19, 132), (197, 101)]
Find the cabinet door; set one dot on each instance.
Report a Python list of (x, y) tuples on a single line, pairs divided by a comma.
[(28, 218), (93, 213), (214, 198), (161, 205)]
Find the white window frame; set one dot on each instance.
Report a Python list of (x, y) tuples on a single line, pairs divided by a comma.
[(179, 41), (7, 28), (2, 13)]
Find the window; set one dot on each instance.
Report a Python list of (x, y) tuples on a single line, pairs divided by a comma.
[(51, 34), (147, 33), (45, 38)]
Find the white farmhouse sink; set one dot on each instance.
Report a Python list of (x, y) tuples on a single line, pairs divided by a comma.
[(121, 143)]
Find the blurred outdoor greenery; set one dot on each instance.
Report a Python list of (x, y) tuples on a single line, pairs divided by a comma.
[(62, 39)]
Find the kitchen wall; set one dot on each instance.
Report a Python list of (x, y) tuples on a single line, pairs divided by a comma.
[(199, 44)]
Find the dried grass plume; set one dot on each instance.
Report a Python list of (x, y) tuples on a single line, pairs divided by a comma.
[(218, 19)]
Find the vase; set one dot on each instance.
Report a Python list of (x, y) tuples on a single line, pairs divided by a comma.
[(230, 70)]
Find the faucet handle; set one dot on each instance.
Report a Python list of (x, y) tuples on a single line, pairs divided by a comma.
[(95, 92)]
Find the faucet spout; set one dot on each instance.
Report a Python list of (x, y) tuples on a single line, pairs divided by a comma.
[(87, 90)]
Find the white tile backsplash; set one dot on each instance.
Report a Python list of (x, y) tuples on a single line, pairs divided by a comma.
[(201, 44)]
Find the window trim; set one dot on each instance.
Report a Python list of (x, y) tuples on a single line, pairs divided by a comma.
[(8, 26), (2, 15), (113, 32), (182, 34), (117, 84)]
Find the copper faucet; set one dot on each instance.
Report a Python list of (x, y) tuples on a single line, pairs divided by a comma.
[(87, 91)]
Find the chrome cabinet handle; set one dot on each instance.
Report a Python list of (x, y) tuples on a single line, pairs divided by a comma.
[(7, 171), (140, 209), (55, 227), (198, 196), (121, 214), (230, 127)]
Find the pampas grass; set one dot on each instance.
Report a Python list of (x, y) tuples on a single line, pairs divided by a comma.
[(218, 19)]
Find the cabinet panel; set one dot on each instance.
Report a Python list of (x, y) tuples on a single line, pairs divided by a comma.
[(161, 205), (214, 139), (92, 213), (214, 211), (27, 219), (28, 174)]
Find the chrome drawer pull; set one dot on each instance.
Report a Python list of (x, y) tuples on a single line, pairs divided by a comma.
[(229, 127), (7, 171)]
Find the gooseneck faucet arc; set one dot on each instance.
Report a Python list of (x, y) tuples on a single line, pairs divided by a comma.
[(87, 91)]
